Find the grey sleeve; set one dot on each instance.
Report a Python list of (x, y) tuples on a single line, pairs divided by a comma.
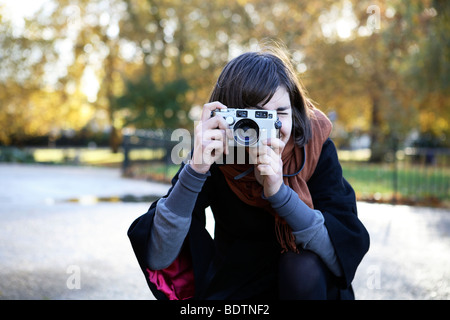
[(173, 218), (307, 226)]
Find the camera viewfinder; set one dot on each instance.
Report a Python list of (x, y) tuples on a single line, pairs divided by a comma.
[(261, 114), (241, 113)]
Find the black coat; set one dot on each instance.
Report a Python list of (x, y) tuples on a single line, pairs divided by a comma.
[(241, 261)]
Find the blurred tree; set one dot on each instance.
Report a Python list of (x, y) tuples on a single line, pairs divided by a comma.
[(367, 77), (39, 93), (24, 99), (145, 63), (152, 106), (177, 45), (427, 68)]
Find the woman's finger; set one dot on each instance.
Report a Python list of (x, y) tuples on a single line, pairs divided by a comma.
[(265, 169), (215, 134), (212, 151), (208, 107), (275, 144)]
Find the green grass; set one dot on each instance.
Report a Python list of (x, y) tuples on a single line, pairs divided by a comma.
[(96, 156), (413, 182), (153, 171), (372, 182), (90, 156)]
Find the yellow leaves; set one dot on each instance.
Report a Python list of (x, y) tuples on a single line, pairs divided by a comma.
[(194, 39), (435, 120), (243, 2)]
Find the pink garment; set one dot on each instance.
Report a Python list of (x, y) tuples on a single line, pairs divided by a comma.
[(177, 280)]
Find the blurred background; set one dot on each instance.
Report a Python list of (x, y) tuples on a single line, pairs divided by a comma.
[(92, 90), (79, 77)]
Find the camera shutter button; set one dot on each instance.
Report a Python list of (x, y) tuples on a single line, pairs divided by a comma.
[(229, 120)]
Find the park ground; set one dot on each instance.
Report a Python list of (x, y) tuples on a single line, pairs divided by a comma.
[(64, 237)]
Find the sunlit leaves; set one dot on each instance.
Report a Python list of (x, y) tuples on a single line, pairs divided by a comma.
[(147, 63)]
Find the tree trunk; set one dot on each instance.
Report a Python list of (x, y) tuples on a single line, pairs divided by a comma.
[(376, 135), (114, 139)]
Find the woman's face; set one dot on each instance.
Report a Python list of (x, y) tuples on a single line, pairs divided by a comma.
[(282, 104)]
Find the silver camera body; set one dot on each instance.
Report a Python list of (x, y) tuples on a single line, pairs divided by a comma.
[(250, 126)]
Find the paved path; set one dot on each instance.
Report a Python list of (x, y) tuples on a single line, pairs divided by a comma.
[(409, 256), (51, 248)]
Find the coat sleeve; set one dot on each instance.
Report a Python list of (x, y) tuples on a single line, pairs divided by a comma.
[(140, 231), (335, 198)]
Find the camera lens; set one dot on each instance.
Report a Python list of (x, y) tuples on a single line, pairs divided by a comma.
[(246, 132)]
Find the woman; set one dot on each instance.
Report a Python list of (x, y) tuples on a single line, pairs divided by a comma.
[(286, 225)]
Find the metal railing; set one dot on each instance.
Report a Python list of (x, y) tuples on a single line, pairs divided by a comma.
[(147, 154), (406, 176)]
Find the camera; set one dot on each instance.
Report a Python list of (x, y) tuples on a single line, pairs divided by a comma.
[(250, 126)]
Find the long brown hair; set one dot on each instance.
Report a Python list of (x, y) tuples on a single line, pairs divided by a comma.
[(253, 77)]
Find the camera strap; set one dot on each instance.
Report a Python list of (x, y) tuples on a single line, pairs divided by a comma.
[(243, 174)]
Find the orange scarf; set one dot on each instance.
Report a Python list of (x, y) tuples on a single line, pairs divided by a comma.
[(249, 190)]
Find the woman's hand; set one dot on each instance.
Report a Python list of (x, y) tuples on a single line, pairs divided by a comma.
[(210, 138), (268, 165)]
